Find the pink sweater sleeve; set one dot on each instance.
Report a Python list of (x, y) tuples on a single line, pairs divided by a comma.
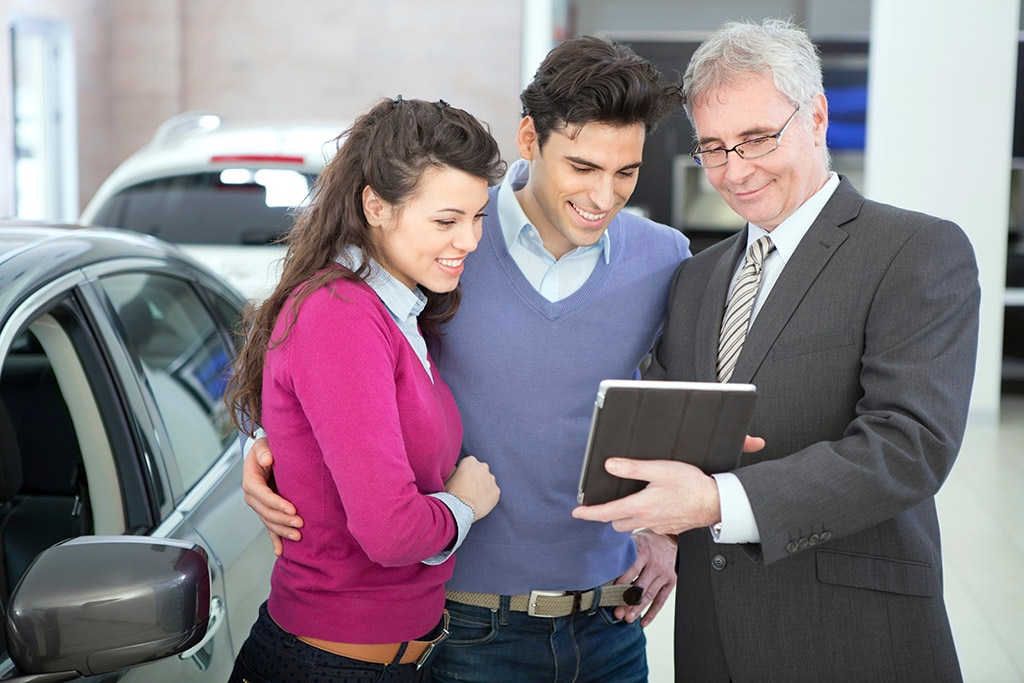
[(351, 371)]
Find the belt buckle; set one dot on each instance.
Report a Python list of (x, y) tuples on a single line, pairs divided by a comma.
[(531, 607), (435, 642)]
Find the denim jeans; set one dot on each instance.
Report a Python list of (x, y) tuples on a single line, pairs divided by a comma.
[(499, 646), (272, 655)]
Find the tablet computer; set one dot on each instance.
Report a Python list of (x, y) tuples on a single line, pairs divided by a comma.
[(702, 423)]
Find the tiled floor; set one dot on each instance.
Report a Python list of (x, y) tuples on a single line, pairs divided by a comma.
[(981, 510)]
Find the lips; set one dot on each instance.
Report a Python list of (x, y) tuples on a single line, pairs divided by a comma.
[(746, 195)]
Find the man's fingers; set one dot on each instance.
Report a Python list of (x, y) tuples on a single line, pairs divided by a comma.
[(655, 608), (752, 444)]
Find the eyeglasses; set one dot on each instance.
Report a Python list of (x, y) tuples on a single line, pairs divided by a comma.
[(751, 149)]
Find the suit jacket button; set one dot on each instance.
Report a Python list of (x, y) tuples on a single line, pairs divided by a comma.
[(718, 563), (815, 539), (802, 543), (825, 535), (792, 547)]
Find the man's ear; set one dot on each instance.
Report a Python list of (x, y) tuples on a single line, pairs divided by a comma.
[(820, 118), (527, 140), (375, 209)]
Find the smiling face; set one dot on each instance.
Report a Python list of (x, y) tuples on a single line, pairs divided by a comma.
[(767, 190), (425, 240), (577, 185)]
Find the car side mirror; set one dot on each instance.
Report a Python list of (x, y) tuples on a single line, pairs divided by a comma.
[(99, 604)]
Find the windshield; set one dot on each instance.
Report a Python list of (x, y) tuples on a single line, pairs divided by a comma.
[(230, 206)]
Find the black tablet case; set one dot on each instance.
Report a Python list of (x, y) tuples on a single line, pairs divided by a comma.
[(702, 423)]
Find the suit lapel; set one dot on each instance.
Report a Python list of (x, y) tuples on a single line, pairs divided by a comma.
[(815, 250)]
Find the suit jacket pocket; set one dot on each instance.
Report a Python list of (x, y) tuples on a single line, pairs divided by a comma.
[(812, 344), (870, 572)]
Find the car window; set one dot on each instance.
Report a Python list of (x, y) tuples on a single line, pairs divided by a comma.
[(58, 477), (185, 358), (232, 206)]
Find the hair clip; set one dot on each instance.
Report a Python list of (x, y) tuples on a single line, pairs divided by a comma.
[(441, 104), (398, 100)]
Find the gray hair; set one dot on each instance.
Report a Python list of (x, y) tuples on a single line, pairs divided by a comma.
[(775, 47)]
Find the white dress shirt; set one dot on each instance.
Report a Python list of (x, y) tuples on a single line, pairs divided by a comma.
[(738, 524)]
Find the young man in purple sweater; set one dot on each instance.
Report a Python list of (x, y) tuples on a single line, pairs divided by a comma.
[(563, 291)]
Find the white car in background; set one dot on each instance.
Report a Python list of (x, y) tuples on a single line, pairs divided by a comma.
[(223, 192)]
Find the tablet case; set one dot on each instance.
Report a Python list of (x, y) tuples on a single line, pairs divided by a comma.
[(702, 423)]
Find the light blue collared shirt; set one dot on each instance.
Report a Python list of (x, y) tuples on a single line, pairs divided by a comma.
[(738, 523), (403, 304), (555, 279)]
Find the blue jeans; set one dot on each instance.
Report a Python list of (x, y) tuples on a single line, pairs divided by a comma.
[(498, 646)]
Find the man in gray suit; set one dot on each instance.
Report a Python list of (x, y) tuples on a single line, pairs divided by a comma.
[(817, 559)]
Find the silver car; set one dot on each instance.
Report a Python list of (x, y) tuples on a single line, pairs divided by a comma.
[(114, 353)]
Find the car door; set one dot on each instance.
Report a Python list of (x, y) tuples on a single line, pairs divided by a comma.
[(87, 447), (70, 461), (176, 333)]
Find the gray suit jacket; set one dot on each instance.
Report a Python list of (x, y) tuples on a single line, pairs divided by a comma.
[(863, 355)]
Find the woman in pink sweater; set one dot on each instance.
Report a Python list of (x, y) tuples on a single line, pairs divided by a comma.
[(365, 432)]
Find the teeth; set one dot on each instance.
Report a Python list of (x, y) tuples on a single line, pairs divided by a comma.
[(586, 214), (450, 262)]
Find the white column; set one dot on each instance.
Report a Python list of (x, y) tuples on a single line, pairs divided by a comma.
[(538, 36), (941, 81)]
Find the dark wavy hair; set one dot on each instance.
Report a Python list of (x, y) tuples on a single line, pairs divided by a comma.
[(588, 79), (389, 148)]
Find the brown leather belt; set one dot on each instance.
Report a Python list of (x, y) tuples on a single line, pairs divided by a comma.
[(552, 604), (383, 653)]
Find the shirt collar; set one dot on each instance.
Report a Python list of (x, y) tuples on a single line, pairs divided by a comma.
[(789, 232), (401, 301), (513, 219)]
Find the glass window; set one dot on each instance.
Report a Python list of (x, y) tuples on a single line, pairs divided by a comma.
[(186, 359), (45, 126), (232, 206), (58, 477)]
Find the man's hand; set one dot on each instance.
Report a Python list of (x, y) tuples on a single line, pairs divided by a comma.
[(276, 513), (655, 571), (678, 497)]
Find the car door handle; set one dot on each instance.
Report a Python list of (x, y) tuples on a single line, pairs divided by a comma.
[(216, 620)]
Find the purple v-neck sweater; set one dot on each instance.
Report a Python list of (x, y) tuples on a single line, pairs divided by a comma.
[(524, 372)]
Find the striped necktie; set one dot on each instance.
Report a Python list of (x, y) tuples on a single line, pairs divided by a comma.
[(741, 303)]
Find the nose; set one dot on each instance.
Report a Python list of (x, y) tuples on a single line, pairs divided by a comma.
[(737, 169), (467, 235), (602, 193)]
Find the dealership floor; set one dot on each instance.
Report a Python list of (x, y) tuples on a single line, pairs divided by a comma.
[(981, 512)]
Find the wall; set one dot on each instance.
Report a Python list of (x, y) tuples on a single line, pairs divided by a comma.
[(264, 59), (138, 62)]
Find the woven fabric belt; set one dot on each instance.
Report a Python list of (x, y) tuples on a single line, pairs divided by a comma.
[(550, 603)]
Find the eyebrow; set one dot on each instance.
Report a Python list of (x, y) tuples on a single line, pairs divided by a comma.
[(462, 212), (598, 167), (750, 132)]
